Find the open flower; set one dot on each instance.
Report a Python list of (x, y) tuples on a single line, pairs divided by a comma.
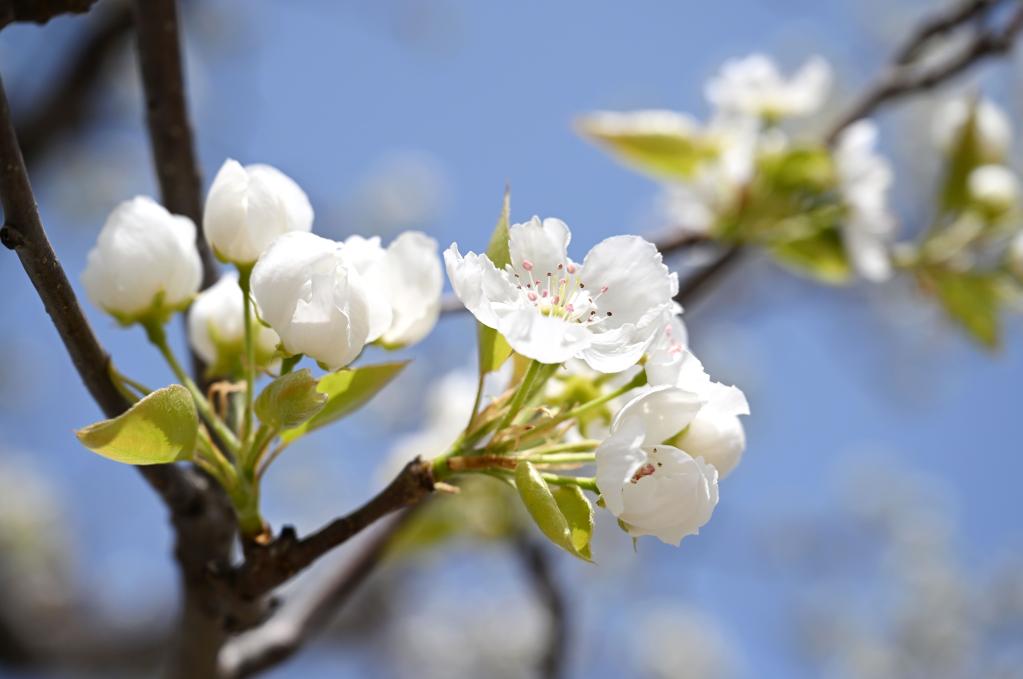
[(864, 179), (654, 488), (605, 311), (216, 328), (715, 433), (248, 207), (404, 283), (145, 264), (312, 295), (994, 189), (990, 125), (753, 86)]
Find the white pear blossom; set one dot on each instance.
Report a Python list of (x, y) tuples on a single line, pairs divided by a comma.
[(216, 325), (753, 86), (145, 263), (654, 488), (994, 188), (864, 178), (313, 296), (404, 282), (605, 311), (248, 207), (991, 125), (715, 433)]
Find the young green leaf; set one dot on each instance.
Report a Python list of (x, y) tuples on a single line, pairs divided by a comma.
[(547, 513), (290, 400), (346, 392), (664, 155), (160, 428), (578, 513), (821, 256), (493, 349), (971, 299)]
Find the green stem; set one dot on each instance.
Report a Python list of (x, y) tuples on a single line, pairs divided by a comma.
[(522, 394), (563, 458), (638, 381), (585, 482), (158, 337), (584, 446), (244, 277), (219, 465)]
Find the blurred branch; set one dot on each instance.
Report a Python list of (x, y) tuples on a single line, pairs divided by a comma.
[(40, 11), (904, 78), (170, 132), (537, 561), (269, 566), (66, 104), (296, 624)]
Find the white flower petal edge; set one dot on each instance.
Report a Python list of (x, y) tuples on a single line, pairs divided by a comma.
[(654, 488), (313, 297), (551, 309), (248, 207), (753, 86), (405, 283), (216, 323), (715, 433), (864, 179), (143, 253), (992, 126)]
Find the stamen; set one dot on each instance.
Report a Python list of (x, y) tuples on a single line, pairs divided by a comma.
[(527, 265)]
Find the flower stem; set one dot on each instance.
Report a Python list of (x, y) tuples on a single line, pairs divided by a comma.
[(158, 337), (244, 278), (638, 381), (585, 482)]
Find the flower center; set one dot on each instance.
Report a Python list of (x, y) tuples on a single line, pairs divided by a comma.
[(561, 293)]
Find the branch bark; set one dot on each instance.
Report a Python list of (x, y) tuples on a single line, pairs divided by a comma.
[(537, 562), (66, 104), (40, 11), (170, 132), (267, 567)]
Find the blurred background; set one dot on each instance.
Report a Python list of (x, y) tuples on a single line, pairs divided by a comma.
[(873, 528)]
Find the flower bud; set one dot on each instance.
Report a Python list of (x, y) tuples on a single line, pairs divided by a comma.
[(717, 436), (216, 328), (313, 297), (994, 189), (991, 125), (248, 207), (404, 282), (145, 264)]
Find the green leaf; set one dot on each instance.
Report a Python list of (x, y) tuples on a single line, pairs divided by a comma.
[(821, 256), (578, 513), (160, 428), (663, 155), (290, 400), (547, 513), (492, 348), (346, 391), (971, 299), (966, 155)]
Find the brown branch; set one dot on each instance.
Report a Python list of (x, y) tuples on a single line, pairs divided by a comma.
[(298, 623), (537, 562), (170, 132), (269, 566), (23, 232), (40, 11), (66, 104), (902, 80), (939, 24)]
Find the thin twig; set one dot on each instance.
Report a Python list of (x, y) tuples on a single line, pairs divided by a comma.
[(268, 566), (938, 25), (66, 104), (298, 623), (40, 11), (902, 80)]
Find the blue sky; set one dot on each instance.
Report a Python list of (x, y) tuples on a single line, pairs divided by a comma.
[(487, 93)]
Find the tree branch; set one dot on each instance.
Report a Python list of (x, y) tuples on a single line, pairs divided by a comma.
[(170, 132), (66, 104), (268, 566), (903, 79), (296, 624), (40, 11), (23, 232)]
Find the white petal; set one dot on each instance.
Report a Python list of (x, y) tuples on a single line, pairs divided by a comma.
[(416, 286), (480, 286), (544, 338), (541, 244), (716, 436), (618, 459), (370, 260), (661, 412)]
